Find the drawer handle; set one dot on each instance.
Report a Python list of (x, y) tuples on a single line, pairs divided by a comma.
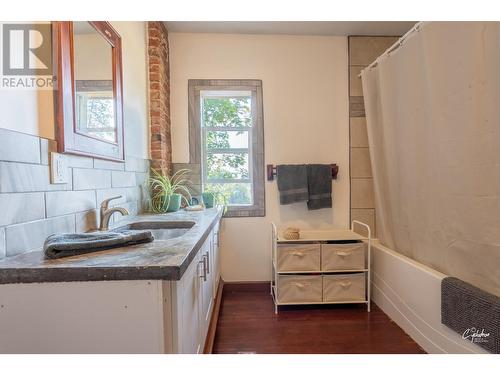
[(345, 284), (344, 253), (298, 253)]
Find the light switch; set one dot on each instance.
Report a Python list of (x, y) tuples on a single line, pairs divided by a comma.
[(59, 173)]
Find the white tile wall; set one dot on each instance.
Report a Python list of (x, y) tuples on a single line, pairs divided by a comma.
[(32, 208)]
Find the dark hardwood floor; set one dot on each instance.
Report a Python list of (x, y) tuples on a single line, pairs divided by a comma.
[(247, 324)]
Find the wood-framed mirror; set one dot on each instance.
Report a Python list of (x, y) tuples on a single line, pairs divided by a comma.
[(88, 95)]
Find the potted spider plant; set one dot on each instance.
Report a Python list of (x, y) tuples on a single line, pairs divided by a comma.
[(167, 193)]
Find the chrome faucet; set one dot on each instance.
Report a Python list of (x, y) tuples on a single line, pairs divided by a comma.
[(106, 212)]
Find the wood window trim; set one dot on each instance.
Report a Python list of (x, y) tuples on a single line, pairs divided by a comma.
[(195, 86)]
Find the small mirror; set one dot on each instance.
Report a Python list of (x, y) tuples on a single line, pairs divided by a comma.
[(94, 99), (89, 89)]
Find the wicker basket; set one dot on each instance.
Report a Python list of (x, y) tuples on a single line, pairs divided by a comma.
[(291, 234)]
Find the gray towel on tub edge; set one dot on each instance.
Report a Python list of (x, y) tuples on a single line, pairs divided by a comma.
[(471, 312), (70, 244), (319, 179), (292, 183)]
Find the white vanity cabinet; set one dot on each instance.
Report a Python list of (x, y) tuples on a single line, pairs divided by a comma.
[(193, 298), (128, 316)]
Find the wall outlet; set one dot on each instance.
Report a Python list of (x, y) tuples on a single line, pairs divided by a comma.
[(58, 169)]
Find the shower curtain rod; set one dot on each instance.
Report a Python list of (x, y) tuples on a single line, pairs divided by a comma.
[(395, 46)]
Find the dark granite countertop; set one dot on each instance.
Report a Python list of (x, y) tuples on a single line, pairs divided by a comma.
[(157, 260)]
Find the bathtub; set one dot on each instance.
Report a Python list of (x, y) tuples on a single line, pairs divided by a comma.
[(410, 294)]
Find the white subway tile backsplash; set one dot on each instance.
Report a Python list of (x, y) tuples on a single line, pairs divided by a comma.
[(76, 161), (30, 236), (88, 179), (109, 193), (67, 202), (21, 207), (19, 147), (134, 164), (46, 147), (20, 177), (108, 164), (87, 221), (32, 208), (2, 243), (123, 179)]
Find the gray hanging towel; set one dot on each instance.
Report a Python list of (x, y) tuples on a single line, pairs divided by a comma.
[(319, 180), (292, 183), (69, 244)]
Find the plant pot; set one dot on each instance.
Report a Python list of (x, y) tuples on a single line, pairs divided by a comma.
[(208, 199), (174, 202)]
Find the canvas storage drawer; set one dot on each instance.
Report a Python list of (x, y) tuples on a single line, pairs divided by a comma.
[(298, 257), (344, 288), (345, 256), (300, 289)]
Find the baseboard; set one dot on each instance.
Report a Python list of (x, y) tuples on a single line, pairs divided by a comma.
[(212, 328), (246, 286)]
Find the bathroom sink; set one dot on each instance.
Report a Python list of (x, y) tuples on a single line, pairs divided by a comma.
[(162, 230)]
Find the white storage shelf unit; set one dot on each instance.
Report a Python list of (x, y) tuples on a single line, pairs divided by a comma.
[(321, 267)]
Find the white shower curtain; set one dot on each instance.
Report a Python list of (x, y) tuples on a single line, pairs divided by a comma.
[(433, 117)]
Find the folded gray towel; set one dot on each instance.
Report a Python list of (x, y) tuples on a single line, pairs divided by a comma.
[(69, 244), (292, 183), (471, 312), (319, 180)]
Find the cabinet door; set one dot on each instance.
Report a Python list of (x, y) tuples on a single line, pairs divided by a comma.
[(190, 299), (216, 259), (206, 287)]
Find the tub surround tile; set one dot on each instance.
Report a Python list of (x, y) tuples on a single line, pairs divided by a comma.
[(359, 134), (360, 163), (21, 177), (363, 50), (21, 207), (88, 179), (356, 106), (365, 215), (362, 193), (67, 202), (123, 179), (26, 237), (19, 147), (355, 87)]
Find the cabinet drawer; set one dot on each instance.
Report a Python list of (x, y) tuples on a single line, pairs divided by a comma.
[(298, 257), (299, 289), (349, 256), (340, 288)]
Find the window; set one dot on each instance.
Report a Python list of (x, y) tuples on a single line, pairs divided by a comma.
[(227, 130)]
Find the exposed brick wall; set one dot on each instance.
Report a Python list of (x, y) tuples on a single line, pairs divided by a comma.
[(159, 97)]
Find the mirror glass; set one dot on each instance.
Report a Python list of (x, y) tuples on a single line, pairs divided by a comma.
[(93, 75)]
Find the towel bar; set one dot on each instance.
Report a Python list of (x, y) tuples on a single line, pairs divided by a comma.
[(271, 171)]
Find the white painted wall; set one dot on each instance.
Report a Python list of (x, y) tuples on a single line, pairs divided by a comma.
[(32, 111), (305, 88)]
